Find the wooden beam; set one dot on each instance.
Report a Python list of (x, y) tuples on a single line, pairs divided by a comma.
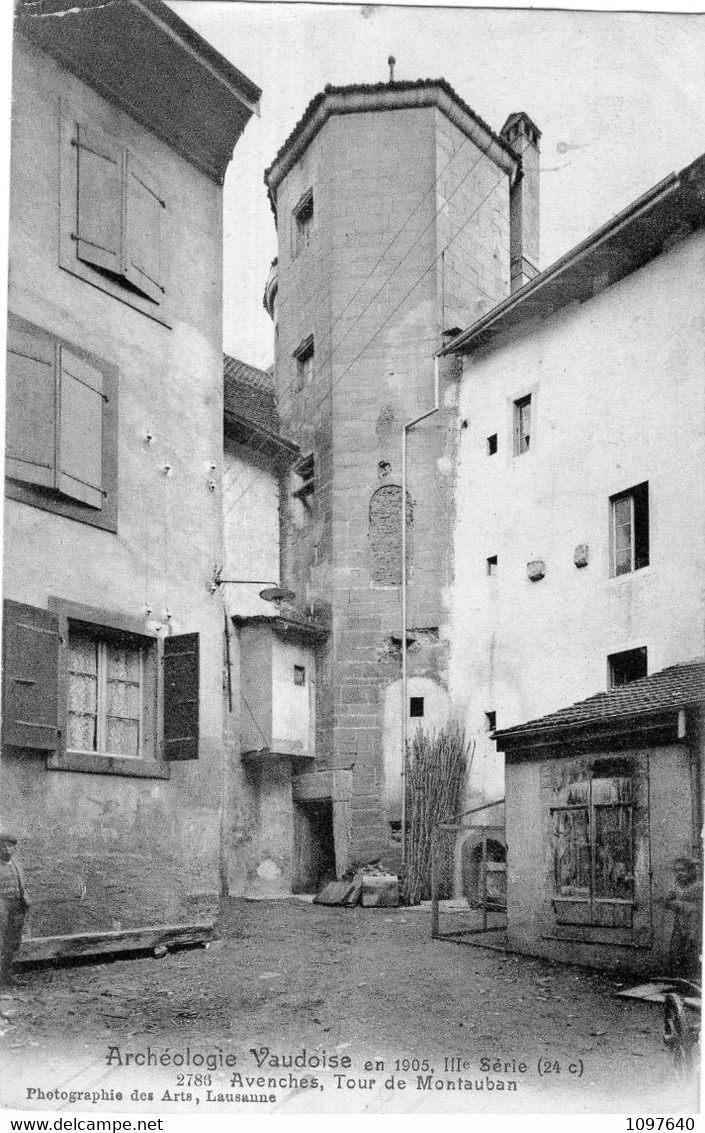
[(98, 943)]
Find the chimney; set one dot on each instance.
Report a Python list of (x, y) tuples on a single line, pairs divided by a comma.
[(523, 137)]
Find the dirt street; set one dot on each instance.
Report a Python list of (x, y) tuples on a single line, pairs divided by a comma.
[(337, 996)]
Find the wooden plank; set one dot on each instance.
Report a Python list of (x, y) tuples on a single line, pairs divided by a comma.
[(97, 943), (334, 893), (655, 993), (355, 893)]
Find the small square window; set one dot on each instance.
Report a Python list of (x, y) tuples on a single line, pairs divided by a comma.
[(299, 675), (522, 425), (631, 665), (492, 445), (629, 530), (304, 363), (416, 706), (490, 721), (491, 565), (303, 223)]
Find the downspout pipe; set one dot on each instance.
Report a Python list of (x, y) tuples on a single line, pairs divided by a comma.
[(406, 429)]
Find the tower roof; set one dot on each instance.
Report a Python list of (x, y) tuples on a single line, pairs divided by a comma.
[(361, 98)]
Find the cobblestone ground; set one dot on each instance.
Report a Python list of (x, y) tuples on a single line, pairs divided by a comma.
[(310, 984)]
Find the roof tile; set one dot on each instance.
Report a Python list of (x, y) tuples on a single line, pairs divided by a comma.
[(249, 393), (672, 688)]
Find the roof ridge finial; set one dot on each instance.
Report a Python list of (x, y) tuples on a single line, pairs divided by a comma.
[(391, 60)]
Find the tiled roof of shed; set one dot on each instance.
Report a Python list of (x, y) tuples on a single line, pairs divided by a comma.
[(370, 88), (673, 688), (249, 394)]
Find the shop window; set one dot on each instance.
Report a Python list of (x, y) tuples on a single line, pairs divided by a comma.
[(302, 223), (111, 218), (385, 528), (629, 530), (631, 665), (84, 689), (60, 427)]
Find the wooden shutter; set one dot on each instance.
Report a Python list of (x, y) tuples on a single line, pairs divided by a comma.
[(30, 678), (30, 405), (181, 676), (142, 246), (100, 200), (79, 472)]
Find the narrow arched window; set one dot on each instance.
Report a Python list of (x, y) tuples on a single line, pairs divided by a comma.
[(385, 535)]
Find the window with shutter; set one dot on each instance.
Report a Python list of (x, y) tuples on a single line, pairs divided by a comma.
[(181, 688), (111, 218), (30, 678), (30, 405), (80, 432), (99, 200), (111, 692), (142, 247), (110, 695), (61, 427)]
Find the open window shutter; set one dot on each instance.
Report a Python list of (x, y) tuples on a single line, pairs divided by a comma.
[(100, 200), (30, 678), (80, 434), (142, 247), (181, 697), (30, 405)]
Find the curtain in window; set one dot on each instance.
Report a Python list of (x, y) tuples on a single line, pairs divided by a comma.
[(83, 694), (123, 700)]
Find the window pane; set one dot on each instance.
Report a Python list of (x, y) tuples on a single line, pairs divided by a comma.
[(572, 853), (123, 737), (614, 855), (622, 519), (623, 562), (123, 693), (623, 536), (82, 694)]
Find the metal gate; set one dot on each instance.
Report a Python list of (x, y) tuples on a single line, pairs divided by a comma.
[(468, 877)]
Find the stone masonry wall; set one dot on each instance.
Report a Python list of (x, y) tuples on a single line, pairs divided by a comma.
[(372, 293)]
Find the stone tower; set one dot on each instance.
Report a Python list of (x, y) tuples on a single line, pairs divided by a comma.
[(393, 206)]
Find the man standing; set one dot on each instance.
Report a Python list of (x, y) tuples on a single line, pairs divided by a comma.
[(686, 899), (13, 906)]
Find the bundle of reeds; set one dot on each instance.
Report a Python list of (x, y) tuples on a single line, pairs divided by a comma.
[(436, 764)]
